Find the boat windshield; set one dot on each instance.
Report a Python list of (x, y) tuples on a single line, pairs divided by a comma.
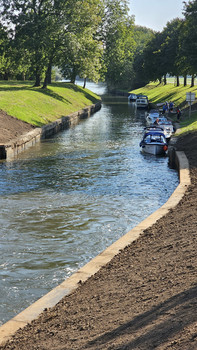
[(150, 138)]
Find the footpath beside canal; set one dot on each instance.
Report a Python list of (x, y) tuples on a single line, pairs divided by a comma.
[(144, 298)]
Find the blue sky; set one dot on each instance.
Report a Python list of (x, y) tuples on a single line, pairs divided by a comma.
[(155, 14)]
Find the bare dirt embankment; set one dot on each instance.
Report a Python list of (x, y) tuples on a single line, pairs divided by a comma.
[(145, 298), (11, 128)]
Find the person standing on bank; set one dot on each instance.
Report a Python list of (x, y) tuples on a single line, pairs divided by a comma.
[(171, 106), (178, 111)]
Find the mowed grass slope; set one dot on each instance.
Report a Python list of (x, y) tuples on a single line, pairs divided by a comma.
[(39, 106), (158, 93)]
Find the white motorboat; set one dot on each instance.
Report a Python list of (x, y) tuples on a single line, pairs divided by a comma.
[(167, 127), (132, 98), (154, 141), (152, 116), (142, 101)]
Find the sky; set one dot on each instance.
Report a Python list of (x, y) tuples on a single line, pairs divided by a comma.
[(155, 14)]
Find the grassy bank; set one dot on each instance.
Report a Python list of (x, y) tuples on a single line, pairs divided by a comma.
[(39, 106), (158, 93)]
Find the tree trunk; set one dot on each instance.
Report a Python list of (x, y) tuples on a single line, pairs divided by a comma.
[(37, 82), (49, 73), (177, 81), (47, 79), (185, 80), (73, 76), (84, 83), (165, 80), (192, 81), (6, 76)]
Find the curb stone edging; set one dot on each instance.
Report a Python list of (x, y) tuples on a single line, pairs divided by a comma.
[(70, 284), (18, 145)]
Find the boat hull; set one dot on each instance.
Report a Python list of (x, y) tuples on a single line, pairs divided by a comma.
[(154, 149)]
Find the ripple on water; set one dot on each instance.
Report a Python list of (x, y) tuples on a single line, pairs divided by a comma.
[(68, 198)]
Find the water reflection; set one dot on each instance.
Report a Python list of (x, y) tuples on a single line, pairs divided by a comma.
[(68, 198)]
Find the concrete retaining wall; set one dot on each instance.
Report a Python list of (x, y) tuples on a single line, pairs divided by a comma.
[(72, 283), (11, 149)]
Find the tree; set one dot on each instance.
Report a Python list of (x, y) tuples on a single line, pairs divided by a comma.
[(81, 50), (9, 63), (117, 33), (170, 48), (4, 44), (142, 36), (153, 58), (189, 38), (37, 24), (81, 57), (162, 54)]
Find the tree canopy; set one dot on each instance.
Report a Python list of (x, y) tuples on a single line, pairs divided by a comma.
[(93, 39)]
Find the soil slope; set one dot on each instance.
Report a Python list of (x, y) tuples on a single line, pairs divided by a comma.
[(11, 128), (145, 298)]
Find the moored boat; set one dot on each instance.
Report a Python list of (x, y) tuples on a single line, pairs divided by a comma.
[(167, 127), (154, 141), (132, 98), (142, 101), (152, 116)]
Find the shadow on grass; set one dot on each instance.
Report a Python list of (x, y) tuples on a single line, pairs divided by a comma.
[(26, 86), (52, 94), (76, 88), (160, 324), (17, 86)]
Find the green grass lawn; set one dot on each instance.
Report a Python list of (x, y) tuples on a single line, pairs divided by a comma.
[(158, 93), (188, 124), (39, 106)]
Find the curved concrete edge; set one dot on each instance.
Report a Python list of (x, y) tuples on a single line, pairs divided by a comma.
[(69, 285), (11, 149)]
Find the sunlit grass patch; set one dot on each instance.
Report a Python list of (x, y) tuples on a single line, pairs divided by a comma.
[(189, 123), (39, 106), (159, 93)]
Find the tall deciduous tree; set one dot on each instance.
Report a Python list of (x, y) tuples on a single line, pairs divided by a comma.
[(142, 36), (4, 45), (152, 55), (170, 48), (118, 38), (189, 38), (36, 24), (82, 48)]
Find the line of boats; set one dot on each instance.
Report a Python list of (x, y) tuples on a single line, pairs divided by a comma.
[(140, 100), (157, 134), (158, 131)]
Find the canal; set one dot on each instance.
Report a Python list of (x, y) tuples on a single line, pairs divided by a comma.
[(69, 197)]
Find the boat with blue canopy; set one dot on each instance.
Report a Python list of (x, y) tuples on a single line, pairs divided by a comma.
[(154, 141)]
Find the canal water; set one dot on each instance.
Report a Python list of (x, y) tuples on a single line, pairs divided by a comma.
[(68, 198)]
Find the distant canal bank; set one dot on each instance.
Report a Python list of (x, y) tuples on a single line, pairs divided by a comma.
[(69, 197)]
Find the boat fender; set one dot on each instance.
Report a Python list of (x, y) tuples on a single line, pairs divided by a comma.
[(165, 147)]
